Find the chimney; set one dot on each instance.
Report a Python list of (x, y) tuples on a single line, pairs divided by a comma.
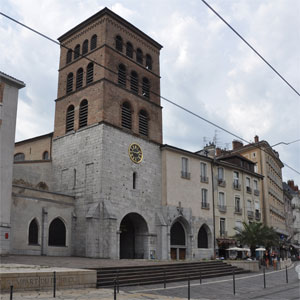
[(296, 188), (236, 145), (291, 184), (218, 151), (256, 139)]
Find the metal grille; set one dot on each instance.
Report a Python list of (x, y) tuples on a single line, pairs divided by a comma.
[(79, 78), (134, 83), (146, 88), (77, 51), (83, 113), (119, 43), (69, 56), (122, 75), (143, 123), (93, 42), (70, 119), (126, 116), (139, 56), (85, 47), (148, 62), (70, 83), (89, 73)]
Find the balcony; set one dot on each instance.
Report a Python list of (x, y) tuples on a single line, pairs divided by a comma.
[(256, 192), (223, 233), (257, 216), (222, 208), (250, 214), (236, 186), (221, 182), (204, 205), (248, 190), (238, 210), (185, 175), (204, 179)]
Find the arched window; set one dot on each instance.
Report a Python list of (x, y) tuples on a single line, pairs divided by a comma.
[(46, 155), (119, 43), (70, 118), (148, 62), (143, 123), (129, 50), (33, 233), (126, 115), (19, 157), (57, 233), (202, 238), (79, 78), (69, 83), (94, 42), (77, 51), (134, 82), (177, 234), (90, 73), (83, 113), (85, 47), (122, 75), (146, 88), (139, 56), (69, 56)]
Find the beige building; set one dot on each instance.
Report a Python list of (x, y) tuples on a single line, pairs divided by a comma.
[(269, 165)]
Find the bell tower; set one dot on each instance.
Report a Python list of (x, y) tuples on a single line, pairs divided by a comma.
[(109, 73)]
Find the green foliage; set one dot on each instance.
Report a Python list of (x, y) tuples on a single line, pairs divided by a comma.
[(256, 234)]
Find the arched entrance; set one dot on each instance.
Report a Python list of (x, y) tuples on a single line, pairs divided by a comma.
[(204, 237), (178, 241), (133, 237)]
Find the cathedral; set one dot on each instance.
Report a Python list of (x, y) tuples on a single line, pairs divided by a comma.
[(94, 187)]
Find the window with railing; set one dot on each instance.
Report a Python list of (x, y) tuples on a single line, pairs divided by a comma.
[(248, 187), (238, 208), (222, 227), (221, 202), (185, 168), (204, 200), (236, 183), (203, 172)]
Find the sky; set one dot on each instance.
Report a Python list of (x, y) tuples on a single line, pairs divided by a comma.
[(204, 67)]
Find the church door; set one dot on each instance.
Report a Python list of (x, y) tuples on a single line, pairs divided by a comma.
[(178, 241)]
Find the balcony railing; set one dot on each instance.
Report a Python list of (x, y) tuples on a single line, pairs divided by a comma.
[(204, 179), (256, 192), (222, 208), (204, 205), (238, 210), (248, 189), (257, 215), (250, 214), (221, 182), (236, 186), (185, 175)]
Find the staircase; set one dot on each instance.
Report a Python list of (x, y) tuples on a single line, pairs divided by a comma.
[(158, 274)]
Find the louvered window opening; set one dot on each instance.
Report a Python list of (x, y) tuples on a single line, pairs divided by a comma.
[(148, 62), (122, 75), (126, 117), (69, 56), (134, 83), (70, 83), (139, 56), (129, 50), (143, 124), (79, 78), (77, 51), (85, 47), (146, 88), (70, 119), (90, 73), (93, 42), (119, 43), (83, 114)]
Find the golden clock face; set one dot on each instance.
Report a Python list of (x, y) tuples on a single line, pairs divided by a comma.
[(135, 153)]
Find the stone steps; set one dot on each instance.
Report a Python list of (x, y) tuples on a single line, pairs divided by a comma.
[(158, 274)]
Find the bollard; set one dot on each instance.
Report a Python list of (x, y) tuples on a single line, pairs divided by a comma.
[(189, 288), (286, 275), (54, 284), (165, 284), (11, 292), (115, 290), (264, 269), (233, 281), (200, 277)]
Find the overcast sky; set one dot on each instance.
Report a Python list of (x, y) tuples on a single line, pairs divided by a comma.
[(205, 67)]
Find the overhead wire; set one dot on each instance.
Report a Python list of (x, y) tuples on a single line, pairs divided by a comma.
[(154, 93)]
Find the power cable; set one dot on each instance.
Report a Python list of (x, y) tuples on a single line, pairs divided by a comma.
[(251, 47), (154, 93), (284, 143)]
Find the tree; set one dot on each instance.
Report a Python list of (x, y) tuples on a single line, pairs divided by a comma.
[(256, 234)]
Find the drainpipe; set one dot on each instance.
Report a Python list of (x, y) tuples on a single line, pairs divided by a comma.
[(213, 204)]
